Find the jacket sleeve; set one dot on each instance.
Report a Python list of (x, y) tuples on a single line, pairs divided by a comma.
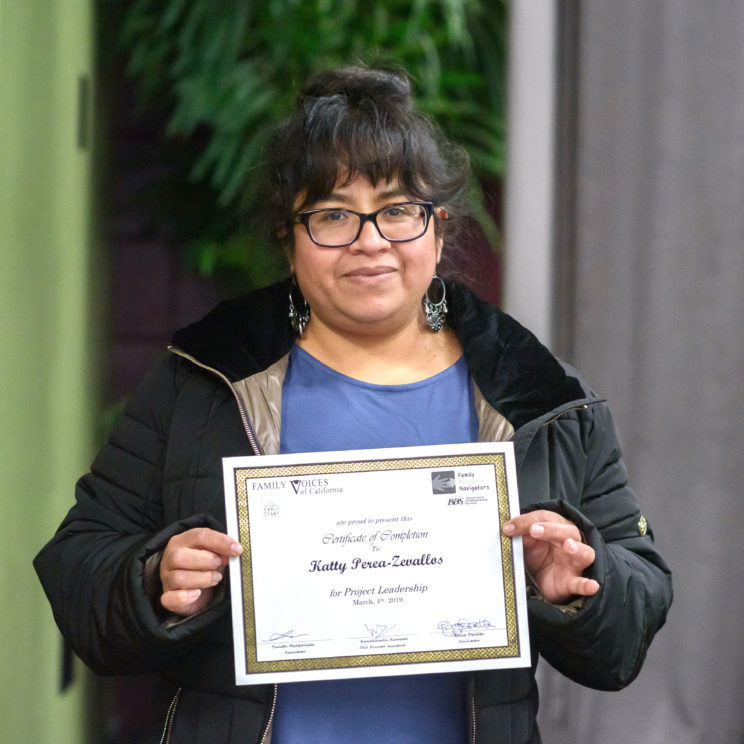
[(604, 643), (92, 570)]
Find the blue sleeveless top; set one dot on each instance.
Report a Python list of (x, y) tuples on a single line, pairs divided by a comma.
[(323, 410)]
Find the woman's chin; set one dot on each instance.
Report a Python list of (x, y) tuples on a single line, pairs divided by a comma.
[(365, 321)]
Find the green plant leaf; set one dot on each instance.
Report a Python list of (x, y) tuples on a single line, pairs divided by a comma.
[(223, 74)]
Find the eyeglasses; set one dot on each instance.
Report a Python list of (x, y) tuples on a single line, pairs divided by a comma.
[(398, 223)]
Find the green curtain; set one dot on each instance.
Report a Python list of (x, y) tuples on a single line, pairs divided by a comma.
[(47, 329)]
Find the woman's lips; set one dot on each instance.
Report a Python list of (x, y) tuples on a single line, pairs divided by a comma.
[(369, 272)]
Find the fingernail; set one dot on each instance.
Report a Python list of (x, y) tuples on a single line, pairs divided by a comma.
[(194, 594), (236, 549), (537, 530), (509, 528), (216, 577)]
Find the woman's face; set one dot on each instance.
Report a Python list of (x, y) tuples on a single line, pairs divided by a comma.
[(372, 285)]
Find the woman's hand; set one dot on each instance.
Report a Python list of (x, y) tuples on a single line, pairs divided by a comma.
[(193, 563), (554, 555)]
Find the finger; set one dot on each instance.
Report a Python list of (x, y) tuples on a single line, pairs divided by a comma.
[(209, 539), (521, 523), (555, 532), (185, 602), (180, 580), (582, 556), (583, 587), (193, 559)]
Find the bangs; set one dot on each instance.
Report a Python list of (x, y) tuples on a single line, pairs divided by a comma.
[(342, 144), (357, 122)]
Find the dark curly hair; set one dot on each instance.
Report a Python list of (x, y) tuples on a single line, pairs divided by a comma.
[(358, 121)]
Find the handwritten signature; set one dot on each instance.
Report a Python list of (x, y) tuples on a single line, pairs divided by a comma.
[(459, 628), (378, 631), (288, 634)]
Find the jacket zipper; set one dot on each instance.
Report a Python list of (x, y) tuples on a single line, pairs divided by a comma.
[(474, 723), (241, 406), (253, 440), (271, 716), (582, 406), (169, 716)]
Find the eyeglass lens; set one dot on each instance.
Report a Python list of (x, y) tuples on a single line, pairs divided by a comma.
[(339, 226)]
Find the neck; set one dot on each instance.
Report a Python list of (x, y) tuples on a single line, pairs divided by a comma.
[(410, 354)]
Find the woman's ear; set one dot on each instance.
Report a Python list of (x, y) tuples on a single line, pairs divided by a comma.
[(284, 238), (289, 254), (443, 215)]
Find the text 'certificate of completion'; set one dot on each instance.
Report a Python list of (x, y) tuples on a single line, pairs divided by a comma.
[(375, 562)]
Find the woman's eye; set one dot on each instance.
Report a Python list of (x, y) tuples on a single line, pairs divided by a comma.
[(334, 215), (398, 211)]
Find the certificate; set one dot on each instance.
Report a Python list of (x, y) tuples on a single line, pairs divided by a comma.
[(375, 562)]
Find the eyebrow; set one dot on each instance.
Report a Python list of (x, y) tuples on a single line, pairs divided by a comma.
[(390, 194)]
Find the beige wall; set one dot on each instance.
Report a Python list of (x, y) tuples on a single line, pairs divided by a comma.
[(46, 390)]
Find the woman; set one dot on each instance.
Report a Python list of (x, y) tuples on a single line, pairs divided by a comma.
[(365, 346)]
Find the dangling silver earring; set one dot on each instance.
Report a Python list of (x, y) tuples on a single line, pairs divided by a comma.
[(298, 318), (435, 312)]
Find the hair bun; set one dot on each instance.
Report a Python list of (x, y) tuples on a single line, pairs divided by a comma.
[(357, 84)]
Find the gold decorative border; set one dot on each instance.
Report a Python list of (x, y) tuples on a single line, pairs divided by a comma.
[(253, 666)]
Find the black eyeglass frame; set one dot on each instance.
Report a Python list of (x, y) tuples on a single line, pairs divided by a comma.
[(303, 218)]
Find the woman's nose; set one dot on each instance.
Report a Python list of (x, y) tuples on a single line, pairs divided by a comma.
[(370, 239)]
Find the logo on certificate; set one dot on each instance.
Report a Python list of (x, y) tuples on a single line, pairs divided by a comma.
[(270, 507), (443, 481)]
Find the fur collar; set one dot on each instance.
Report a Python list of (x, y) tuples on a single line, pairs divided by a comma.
[(517, 375)]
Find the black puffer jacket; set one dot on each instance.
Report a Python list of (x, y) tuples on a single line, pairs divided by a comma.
[(161, 473)]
